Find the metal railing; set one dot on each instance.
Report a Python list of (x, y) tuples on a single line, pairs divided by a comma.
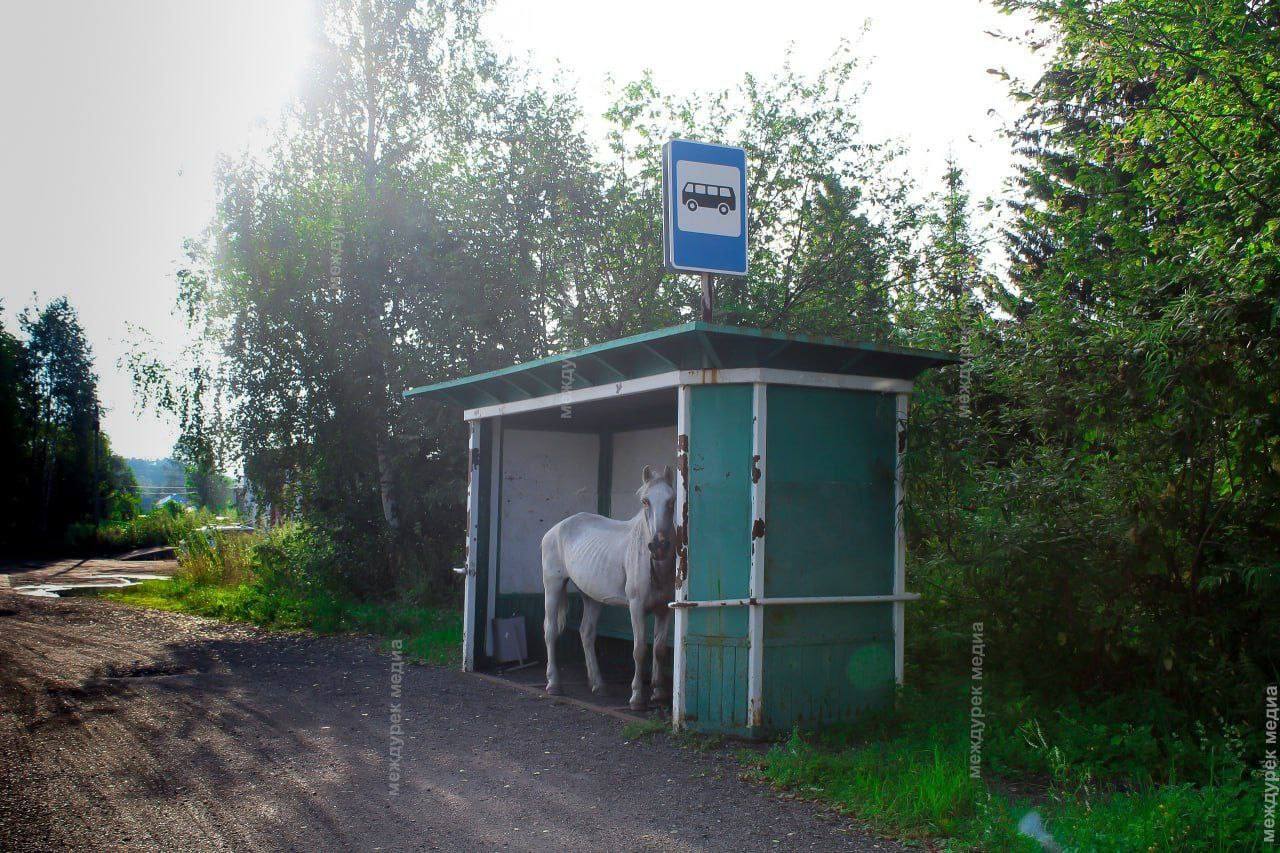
[(802, 599)]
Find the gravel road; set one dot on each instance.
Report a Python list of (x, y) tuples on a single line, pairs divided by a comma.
[(132, 729)]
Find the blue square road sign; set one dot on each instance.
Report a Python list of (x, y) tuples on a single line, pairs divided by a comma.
[(704, 207)]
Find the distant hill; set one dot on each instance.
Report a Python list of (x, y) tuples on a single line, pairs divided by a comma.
[(157, 478)]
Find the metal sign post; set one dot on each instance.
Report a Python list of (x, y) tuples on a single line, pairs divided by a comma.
[(704, 211)]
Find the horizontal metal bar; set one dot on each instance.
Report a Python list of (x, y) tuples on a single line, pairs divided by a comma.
[(576, 395), (709, 376), (803, 599)]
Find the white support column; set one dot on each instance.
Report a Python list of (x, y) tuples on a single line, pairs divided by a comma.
[(473, 532), (755, 623), (681, 618), (494, 521), (899, 538)]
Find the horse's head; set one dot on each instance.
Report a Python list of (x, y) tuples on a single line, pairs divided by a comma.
[(658, 500)]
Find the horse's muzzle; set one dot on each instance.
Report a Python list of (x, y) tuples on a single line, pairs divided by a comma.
[(660, 549)]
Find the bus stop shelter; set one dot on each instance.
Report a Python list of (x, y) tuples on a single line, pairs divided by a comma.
[(791, 551)]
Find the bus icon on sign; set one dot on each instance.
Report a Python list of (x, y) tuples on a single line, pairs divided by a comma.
[(723, 199), (707, 198)]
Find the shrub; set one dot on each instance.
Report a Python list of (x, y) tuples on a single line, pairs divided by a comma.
[(166, 525), (287, 578), (216, 558)]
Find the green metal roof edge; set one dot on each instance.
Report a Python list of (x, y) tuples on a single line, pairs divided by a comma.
[(671, 331), (643, 337), (822, 340)]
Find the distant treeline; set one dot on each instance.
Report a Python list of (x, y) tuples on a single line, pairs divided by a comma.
[(57, 470), (158, 473), (161, 478), (59, 475)]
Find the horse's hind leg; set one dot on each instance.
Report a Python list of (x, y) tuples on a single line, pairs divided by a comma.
[(637, 654), (553, 600), (590, 617)]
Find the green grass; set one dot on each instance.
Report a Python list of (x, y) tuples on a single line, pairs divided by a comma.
[(699, 741), (1167, 818), (430, 635), (645, 728), (907, 787), (907, 775)]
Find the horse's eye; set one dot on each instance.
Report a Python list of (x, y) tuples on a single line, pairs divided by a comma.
[(644, 501)]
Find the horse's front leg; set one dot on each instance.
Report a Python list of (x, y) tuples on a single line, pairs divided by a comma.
[(587, 630), (661, 624), (636, 605)]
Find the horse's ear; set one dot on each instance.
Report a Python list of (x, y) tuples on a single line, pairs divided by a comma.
[(648, 474), (670, 476)]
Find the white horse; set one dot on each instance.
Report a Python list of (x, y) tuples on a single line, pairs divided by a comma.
[(631, 563)]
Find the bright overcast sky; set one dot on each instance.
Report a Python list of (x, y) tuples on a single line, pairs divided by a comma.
[(117, 111)]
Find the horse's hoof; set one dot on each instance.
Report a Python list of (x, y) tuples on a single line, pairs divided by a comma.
[(659, 696), (554, 690), (639, 705), (597, 689)]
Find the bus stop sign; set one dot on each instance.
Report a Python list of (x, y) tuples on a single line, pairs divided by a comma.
[(704, 207)]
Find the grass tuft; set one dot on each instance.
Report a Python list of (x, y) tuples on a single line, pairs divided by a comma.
[(645, 728)]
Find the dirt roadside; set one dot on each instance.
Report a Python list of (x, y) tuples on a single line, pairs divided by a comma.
[(82, 572), (132, 729)]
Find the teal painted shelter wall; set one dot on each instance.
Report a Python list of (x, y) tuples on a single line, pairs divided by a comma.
[(830, 459), (719, 547)]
